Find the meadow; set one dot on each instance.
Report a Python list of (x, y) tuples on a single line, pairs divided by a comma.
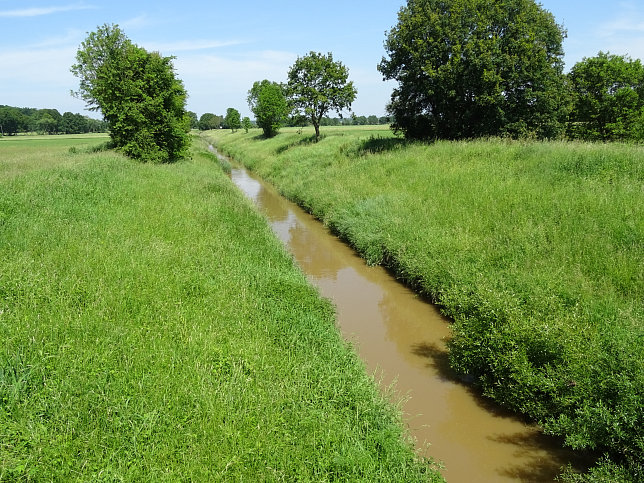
[(535, 250), (153, 328)]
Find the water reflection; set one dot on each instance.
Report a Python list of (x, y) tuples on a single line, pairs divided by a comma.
[(402, 338)]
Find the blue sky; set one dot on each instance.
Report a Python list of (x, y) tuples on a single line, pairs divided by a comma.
[(222, 47)]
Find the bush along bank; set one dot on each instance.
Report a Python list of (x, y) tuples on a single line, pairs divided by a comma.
[(535, 250)]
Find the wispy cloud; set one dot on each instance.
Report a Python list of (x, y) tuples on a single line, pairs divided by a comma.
[(39, 11), (629, 19), (192, 45), (70, 37), (623, 34), (229, 76), (139, 22)]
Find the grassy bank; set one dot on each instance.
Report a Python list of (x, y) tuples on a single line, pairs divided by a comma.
[(153, 328), (535, 250)]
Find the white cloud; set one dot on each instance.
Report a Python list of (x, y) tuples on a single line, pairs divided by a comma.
[(45, 65), (216, 82), (190, 45), (629, 19), (39, 78), (136, 22), (64, 41), (624, 33), (39, 11), (373, 93)]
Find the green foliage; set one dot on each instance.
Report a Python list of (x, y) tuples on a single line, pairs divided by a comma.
[(73, 124), (608, 98), (268, 102), (154, 328), (246, 123), (534, 249), (12, 121), (232, 120), (317, 85), (471, 68), (209, 121), (194, 120), (137, 93)]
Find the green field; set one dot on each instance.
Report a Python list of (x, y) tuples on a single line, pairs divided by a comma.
[(153, 328), (534, 249)]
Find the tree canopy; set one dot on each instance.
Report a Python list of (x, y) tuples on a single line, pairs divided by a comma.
[(608, 98), (317, 85), (267, 100), (232, 119), (469, 68), (137, 93), (209, 120)]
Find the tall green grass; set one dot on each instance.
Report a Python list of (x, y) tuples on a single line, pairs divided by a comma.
[(153, 328), (535, 250)]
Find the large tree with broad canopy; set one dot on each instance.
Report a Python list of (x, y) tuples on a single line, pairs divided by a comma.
[(470, 68)]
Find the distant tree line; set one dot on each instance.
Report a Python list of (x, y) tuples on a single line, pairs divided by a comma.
[(232, 120), (212, 121), (15, 120), (354, 120)]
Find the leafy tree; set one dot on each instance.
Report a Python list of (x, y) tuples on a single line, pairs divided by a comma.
[(297, 119), (246, 123), (232, 119), (73, 124), (268, 102), (372, 120), (48, 121), (96, 125), (12, 121), (209, 121), (137, 93), (317, 85), (608, 98), (360, 120), (329, 121), (46, 124), (469, 68), (194, 120)]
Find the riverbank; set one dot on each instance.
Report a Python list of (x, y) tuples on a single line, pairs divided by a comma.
[(153, 327), (535, 250), (401, 338)]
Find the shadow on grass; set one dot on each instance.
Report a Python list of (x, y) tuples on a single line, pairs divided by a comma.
[(106, 146), (305, 141), (375, 145)]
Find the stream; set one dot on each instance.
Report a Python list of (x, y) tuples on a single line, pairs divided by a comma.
[(401, 339)]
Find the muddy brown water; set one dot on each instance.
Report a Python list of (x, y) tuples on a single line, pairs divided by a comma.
[(401, 338)]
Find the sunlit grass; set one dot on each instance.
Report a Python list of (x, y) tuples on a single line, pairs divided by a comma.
[(19, 154), (534, 249), (153, 328)]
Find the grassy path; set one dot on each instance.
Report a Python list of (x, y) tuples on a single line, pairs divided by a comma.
[(153, 328), (535, 250)]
